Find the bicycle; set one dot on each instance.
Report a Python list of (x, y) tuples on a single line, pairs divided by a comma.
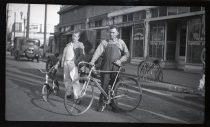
[(146, 68), (125, 92), (49, 86)]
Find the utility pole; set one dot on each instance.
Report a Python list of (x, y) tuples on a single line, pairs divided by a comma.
[(28, 21), (45, 28), (14, 26), (7, 23)]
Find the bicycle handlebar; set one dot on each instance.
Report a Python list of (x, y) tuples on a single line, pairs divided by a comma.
[(46, 72), (83, 62)]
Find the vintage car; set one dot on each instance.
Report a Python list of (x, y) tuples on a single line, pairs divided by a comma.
[(27, 47)]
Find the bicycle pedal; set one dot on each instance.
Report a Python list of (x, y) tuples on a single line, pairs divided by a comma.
[(101, 108), (44, 98)]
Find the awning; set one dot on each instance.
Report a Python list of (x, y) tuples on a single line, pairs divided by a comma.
[(129, 10)]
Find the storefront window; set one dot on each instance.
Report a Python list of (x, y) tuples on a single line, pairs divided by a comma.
[(172, 10), (136, 16), (139, 15), (130, 17), (157, 39), (72, 27), (125, 18), (171, 40), (138, 40), (98, 23), (92, 24), (154, 12), (196, 39), (163, 11), (157, 32), (142, 15), (183, 10), (194, 29), (193, 9)]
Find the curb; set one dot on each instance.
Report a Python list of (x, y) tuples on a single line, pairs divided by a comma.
[(164, 85)]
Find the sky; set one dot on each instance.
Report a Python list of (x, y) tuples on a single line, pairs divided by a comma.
[(37, 13)]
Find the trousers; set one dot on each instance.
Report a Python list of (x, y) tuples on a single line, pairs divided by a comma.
[(70, 74)]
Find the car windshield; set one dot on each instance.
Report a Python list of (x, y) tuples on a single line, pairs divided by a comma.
[(33, 42), (30, 42)]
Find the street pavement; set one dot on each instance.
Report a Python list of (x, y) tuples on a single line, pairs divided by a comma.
[(24, 101)]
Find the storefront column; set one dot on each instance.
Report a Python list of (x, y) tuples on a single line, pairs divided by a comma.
[(147, 29)]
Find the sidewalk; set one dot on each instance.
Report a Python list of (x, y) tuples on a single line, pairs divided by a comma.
[(173, 79)]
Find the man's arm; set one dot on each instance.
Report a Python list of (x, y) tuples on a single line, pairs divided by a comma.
[(125, 51), (98, 52)]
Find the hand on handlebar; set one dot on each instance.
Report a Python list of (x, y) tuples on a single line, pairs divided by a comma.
[(118, 62), (92, 63)]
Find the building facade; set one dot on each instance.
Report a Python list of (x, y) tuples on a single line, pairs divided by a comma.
[(35, 31), (175, 35)]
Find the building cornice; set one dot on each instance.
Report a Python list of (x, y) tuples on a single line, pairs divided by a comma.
[(129, 10), (67, 8)]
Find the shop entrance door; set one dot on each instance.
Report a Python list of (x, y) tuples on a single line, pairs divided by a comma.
[(126, 37), (182, 46)]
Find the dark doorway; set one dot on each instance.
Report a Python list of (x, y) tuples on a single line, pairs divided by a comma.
[(182, 46), (126, 36)]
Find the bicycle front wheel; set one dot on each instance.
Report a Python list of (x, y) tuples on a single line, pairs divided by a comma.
[(45, 92), (127, 94), (85, 97)]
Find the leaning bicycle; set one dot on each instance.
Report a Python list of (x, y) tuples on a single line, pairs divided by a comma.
[(125, 92), (150, 70)]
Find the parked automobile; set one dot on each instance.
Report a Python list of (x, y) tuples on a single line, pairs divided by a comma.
[(27, 47), (10, 47)]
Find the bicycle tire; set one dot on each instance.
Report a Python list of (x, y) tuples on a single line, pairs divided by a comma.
[(159, 76), (72, 105), (45, 92), (158, 73), (130, 88), (140, 67)]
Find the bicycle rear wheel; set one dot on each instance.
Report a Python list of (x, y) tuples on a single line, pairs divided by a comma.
[(140, 69), (158, 73), (127, 94), (85, 98)]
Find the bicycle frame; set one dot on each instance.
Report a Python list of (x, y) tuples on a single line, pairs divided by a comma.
[(46, 75), (89, 77)]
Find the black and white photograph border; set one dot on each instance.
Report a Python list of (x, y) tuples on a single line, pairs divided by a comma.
[(166, 46)]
